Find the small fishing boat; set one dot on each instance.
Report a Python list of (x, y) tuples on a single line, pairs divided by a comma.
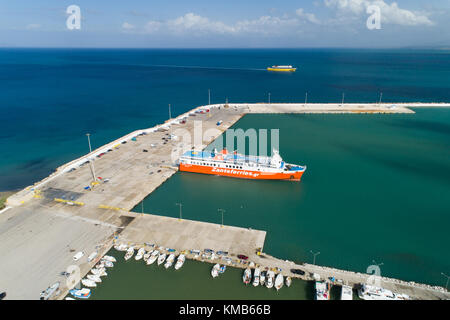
[(92, 256), (346, 293), (247, 277), (88, 283), (109, 258), (169, 261), (153, 257), (322, 290), (69, 298), (161, 258), (180, 261), (129, 254), (121, 247), (215, 270), (140, 254), (270, 279), (256, 275), (108, 264), (147, 255), (81, 293), (222, 269), (279, 281), (262, 278), (100, 272), (288, 281), (94, 277)]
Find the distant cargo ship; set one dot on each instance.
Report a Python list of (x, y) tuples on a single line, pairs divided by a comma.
[(240, 166), (282, 68)]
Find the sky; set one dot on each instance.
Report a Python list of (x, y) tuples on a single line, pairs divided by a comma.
[(225, 24)]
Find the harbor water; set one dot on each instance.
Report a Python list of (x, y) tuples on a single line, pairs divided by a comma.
[(376, 185)]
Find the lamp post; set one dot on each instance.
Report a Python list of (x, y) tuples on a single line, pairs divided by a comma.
[(381, 96), (306, 98), (343, 96), (269, 97), (209, 96), (314, 255), (180, 205), (221, 211), (91, 162), (448, 277), (170, 112)]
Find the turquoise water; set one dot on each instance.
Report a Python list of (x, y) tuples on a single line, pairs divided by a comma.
[(49, 98), (376, 188)]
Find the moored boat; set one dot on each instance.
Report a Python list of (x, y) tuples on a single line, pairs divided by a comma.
[(121, 247), (270, 279), (109, 258), (247, 276), (94, 277), (147, 255), (161, 258), (322, 290), (222, 269), (262, 277), (153, 257), (140, 254), (169, 261), (215, 270), (369, 292), (129, 254), (288, 281), (256, 275), (279, 281), (88, 283), (240, 166), (346, 293), (180, 261), (100, 272), (81, 293)]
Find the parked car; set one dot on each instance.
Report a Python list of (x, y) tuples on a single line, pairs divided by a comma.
[(298, 271), (243, 257)]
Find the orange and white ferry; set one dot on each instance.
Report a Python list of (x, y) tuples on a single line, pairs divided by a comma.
[(240, 166)]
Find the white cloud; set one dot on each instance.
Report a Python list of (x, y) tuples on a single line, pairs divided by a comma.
[(127, 26), (196, 24), (390, 13), (310, 17)]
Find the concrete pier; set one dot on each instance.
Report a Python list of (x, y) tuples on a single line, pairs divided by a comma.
[(48, 222)]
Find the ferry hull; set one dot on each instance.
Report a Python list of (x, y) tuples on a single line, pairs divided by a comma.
[(244, 174), (282, 69)]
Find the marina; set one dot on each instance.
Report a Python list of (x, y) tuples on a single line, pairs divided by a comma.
[(90, 212)]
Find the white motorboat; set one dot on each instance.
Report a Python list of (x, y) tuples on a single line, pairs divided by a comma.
[(129, 254), (108, 264), (147, 255), (99, 272), (169, 261), (153, 257), (180, 261), (279, 281), (215, 270), (121, 247), (94, 277), (140, 254), (322, 290), (368, 292), (270, 279), (109, 258), (247, 277), (161, 258), (81, 293), (346, 293), (262, 278), (288, 281), (256, 275), (88, 283)]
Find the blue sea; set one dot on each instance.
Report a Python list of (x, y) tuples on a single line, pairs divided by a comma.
[(376, 187)]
